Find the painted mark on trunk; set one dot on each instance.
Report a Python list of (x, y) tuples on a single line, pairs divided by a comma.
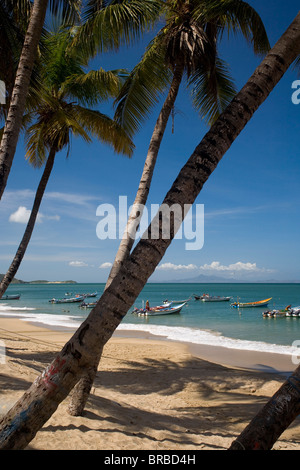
[(51, 374)]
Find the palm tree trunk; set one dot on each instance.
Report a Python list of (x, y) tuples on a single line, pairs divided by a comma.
[(36, 406), (146, 178), (280, 411), (81, 391), (30, 225), (18, 99)]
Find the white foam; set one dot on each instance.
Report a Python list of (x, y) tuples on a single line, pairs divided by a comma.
[(182, 334), (7, 308), (197, 336), (46, 319)]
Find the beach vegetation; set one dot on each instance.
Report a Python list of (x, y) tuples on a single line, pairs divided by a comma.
[(65, 108), (19, 426), (184, 50), (24, 18)]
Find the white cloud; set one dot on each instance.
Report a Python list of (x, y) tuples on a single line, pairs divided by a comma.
[(238, 266), (78, 264), (71, 198), (175, 267), (216, 267), (105, 265), (21, 216)]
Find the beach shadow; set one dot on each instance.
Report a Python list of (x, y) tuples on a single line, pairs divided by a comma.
[(218, 401)]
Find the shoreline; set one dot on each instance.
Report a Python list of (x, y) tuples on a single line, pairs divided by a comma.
[(274, 363), (149, 393)]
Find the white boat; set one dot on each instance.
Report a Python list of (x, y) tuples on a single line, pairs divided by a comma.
[(11, 297), (71, 300), (160, 310)]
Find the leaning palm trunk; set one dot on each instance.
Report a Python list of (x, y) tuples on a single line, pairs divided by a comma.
[(35, 407), (81, 392), (18, 99), (30, 225), (280, 411)]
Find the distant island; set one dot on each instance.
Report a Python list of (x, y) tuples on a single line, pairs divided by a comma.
[(19, 281)]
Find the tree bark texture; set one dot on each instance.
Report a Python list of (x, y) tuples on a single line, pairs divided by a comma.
[(272, 420), (12, 270), (82, 389), (20, 90), (31, 411), (80, 395)]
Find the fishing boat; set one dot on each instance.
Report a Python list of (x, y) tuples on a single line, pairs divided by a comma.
[(211, 298), (159, 310), (167, 303), (88, 305), (293, 312), (11, 297), (287, 312), (71, 300), (259, 303)]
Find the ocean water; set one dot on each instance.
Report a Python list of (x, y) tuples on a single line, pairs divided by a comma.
[(216, 324)]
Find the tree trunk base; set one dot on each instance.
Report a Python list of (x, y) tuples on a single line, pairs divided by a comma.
[(81, 391)]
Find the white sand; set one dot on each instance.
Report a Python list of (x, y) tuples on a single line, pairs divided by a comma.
[(148, 394)]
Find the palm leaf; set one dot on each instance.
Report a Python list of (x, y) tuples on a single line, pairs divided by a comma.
[(94, 86), (111, 24), (145, 84), (69, 11), (236, 16), (105, 129), (212, 90)]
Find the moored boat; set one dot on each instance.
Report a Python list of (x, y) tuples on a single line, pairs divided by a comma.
[(67, 301), (259, 303), (11, 297), (159, 310), (88, 305)]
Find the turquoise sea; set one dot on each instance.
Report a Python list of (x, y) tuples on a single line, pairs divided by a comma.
[(216, 324)]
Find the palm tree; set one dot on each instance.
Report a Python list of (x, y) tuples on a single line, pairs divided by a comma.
[(117, 22), (70, 10), (14, 18), (186, 46), (35, 407), (61, 112)]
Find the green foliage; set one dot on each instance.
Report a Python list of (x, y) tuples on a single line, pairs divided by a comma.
[(189, 37), (65, 90)]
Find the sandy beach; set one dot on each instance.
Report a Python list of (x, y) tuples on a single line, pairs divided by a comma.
[(149, 394)]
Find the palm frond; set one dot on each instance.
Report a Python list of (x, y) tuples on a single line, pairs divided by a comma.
[(94, 86), (147, 81), (212, 90), (236, 16), (35, 148), (111, 24), (69, 11), (105, 129)]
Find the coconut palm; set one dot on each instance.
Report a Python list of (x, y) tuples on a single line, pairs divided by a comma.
[(185, 47), (116, 22), (69, 10), (62, 112), (14, 17), (53, 385)]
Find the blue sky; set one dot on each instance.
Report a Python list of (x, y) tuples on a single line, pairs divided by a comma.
[(251, 201)]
